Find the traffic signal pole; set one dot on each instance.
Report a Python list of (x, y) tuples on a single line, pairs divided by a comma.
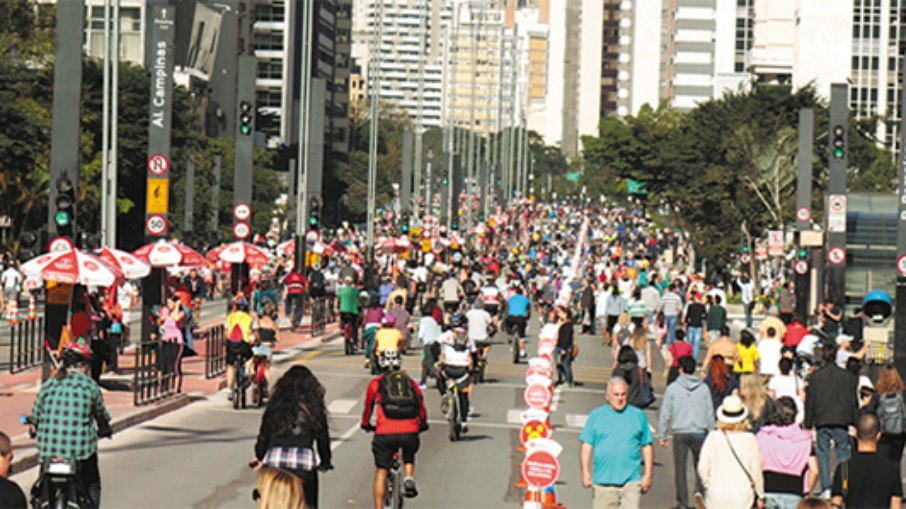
[(243, 162), (836, 199), (899, 350), (804, 211)]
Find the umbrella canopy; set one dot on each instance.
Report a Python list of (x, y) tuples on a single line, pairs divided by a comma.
[(165, 253), (288, 248), (66, 264), (391, 245), (239, 252), (129, 265)]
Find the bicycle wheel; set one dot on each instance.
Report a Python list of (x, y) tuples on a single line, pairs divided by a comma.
[(242, 389), (453, 415), (236, 385), (515, 351)]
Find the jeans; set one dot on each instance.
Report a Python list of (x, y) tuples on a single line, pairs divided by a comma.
[(564, 366), (294, 307), (747, 307), (781, 501), (628, 496), (671, 328), (840, 438), (683, 444), (694, 336)]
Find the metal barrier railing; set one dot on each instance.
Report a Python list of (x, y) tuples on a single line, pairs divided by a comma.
[(26, 344), (157, 372), (318, 316), (215, 351)]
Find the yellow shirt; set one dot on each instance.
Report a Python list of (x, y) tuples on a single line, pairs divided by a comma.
[(387, 338), (746, 358), (244, 321)]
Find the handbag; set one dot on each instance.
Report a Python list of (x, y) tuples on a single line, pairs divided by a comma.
[(646, 393), (748, 475)]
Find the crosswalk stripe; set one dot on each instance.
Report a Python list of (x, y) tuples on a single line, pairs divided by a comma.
[(341, 406), (576, 420)]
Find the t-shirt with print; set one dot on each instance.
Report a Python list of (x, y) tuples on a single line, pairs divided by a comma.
[(617, 439)]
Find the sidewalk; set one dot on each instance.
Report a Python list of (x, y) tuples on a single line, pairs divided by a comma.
[(18, 391)]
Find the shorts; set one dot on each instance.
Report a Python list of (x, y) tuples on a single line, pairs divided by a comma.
[(451, 306), (517, 325), (383, 447), (611, 322), (239, 349), (492, 309), (482, 344)]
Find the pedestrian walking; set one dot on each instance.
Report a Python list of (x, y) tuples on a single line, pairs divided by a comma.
[(671, 306), (11, 495), (891, 411), (616, 453), (294, 434), (831, 407), (747, 295), (171, 342), (428, 332), (278, 489), (716, 319), (746, 354), (756, 399), (563, 353), (790, 467), (868, 479), (730, 463), (720, 381), (694, 320), (688, 412)]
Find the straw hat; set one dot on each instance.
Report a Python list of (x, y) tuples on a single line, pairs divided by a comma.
[(732, 410)]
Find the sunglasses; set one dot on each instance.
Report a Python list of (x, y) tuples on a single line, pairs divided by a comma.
[(256, 495)]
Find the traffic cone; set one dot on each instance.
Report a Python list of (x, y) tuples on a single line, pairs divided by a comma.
[(32, 309), (532, 499), (522, 484), (549, 499), (13, 311)]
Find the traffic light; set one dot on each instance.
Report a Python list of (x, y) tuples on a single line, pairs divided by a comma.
[(445, 181), (839, 142), (246, 118), (802, 253), (404, 228), (28, 245), (64, 205), (314, 215)]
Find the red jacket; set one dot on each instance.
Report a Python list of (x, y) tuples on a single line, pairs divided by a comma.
[(385, 425)]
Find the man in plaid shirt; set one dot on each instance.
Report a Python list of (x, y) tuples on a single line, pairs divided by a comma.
[(65, 414)]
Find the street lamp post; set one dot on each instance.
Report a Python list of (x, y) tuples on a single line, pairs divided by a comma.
[(428, 208)]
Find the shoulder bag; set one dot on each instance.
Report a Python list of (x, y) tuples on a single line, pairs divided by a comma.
[(748, 475)]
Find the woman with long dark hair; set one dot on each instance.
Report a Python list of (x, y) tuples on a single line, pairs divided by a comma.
[(294, 423), (721, 382)]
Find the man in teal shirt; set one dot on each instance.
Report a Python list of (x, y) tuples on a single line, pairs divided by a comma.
[(618, 437), (348, 302)]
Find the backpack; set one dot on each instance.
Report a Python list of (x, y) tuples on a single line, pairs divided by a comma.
[(317, 283), (460, 342), (890, 414), (398, 398), (624, 337)]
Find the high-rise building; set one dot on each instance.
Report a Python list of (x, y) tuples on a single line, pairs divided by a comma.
[(630, 56)]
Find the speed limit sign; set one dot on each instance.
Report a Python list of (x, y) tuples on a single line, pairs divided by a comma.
[(901, 265), (156, 224), (803, 214), (801, 267), (836, 256), (242, 211), (241, 230)]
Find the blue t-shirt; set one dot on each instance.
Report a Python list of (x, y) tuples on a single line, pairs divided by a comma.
[(517, 305), (617, 439)]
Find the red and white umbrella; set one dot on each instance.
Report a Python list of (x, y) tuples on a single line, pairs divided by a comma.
[(129, 265), (288, 248), (391, 245), (66, 264), (164, 253), (239, 252)]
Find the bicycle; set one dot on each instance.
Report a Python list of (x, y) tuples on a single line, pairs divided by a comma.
[(452, 406), (350, 327), (259, 382), (240, 385), (393, 493)]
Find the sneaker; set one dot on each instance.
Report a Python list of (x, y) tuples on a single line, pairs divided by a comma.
[(423, 386), (826, 494), (410, 490), (464, 428), (522, 353), (367, 363), (472, 411)]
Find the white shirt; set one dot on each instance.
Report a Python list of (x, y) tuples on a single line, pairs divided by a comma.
[(11, 278), (769, 354), (479, 319), (490, 295), (420, 274), (807, 345), (451, 356), (747, 290)]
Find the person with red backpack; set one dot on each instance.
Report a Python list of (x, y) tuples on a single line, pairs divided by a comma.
[(399, 408)]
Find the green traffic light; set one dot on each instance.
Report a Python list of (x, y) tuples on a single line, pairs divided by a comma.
[(745, 249), (838, 153), (313, 221), (245, 129), (803, 253), (61, 218), (446, 181)]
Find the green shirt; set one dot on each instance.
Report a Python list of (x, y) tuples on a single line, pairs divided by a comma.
[(349, 299), (65, 413), (617, 439)]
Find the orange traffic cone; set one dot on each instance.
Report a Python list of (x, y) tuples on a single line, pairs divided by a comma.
[(549, 499), (13, 311), (32, 309), (522, 484), (532, 499)]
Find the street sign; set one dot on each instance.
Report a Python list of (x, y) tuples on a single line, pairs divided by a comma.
[(158, 164), (803, 214), (635, 187), (836, 213), (775, 243), (158, 196), (744, 259), (156, 225), (837, 202), (537, 396), (241, 230), (533, 429), (901, 265), (572, 176), (540, 469), (836, 256), (761, 251), (801, 267), (242, 212)]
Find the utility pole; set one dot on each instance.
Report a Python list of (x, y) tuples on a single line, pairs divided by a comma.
[(375, 79), (420, 128), (105, 130), (113, 166), (804, 211), (899, 349), (305, 76)]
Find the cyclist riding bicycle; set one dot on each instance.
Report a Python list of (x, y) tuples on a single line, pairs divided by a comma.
[(491, 297), (399, 407), (68, 416), (239, 339), (348, 303), (518, 309), (479, 322), (456, 363)]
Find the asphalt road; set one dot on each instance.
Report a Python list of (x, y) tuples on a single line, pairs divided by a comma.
[(196, 457)]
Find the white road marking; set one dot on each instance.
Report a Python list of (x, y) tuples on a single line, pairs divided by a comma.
[(341, 406), (576, 420), (337, 442), (514, 416)]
